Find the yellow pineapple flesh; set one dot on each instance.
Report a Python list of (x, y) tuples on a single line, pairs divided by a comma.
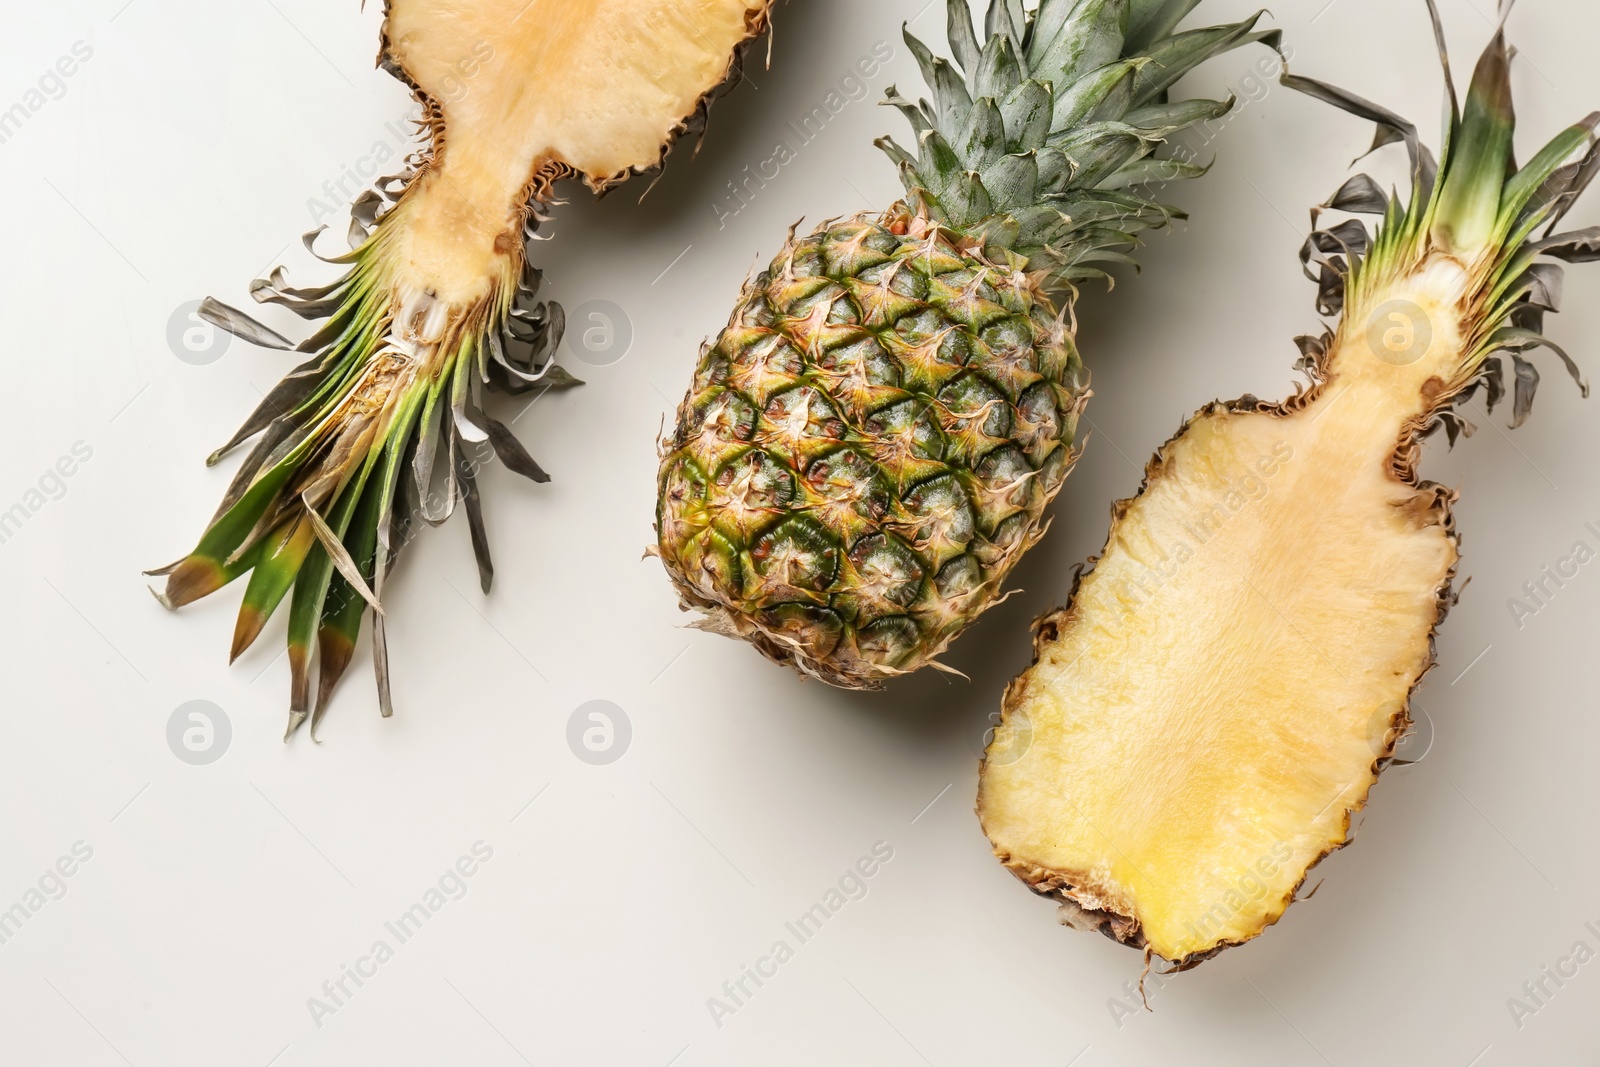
[(1206, 715), (1230, 678), (386, 426)]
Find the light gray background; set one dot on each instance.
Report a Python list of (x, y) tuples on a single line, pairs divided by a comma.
[(180, 162)]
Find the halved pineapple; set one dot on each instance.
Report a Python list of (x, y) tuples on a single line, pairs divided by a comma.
[(385, 426), (1230, 678), (526, 92), (1217, 699)]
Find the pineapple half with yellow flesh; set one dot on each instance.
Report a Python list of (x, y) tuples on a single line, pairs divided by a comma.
[(870, 446), (1229, 679), (385, 424)]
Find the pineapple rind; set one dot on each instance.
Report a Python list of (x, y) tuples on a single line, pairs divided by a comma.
[(962, 432), (863, 456)]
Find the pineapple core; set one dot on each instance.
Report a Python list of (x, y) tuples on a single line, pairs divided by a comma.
[(530, 89), (1202, 720)]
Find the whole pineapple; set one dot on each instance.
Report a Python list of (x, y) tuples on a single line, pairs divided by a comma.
[(870, 446)]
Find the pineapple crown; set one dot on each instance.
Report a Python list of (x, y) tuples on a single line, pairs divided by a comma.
[(1474, 204), (1041, 148)]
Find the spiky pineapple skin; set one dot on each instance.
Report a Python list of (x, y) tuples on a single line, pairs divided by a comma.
[(869, 447), (859, 549)]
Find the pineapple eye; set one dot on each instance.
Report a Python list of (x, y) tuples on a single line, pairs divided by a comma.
[(1057, 359), (919, 328), (1038, 424), (967, 297), (961, 577), (977, 282), (970, 407), (826, 294), (847, 478), (865, 360), (817, 629), (807, 263), (728, 417), (1010, 335), (881, 240), (888, 569), (1010, 536), (889, 642), (901, 282), (797, 554), (1006, 485), (713, 566), (758, 314), (850, 250), (799, 425), (943, 515), (685, 481), (907, 429), (843, 312), (713, 370), (749, 494), (1057, 465), (954, 348), (1003, 467), (765, 367)]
